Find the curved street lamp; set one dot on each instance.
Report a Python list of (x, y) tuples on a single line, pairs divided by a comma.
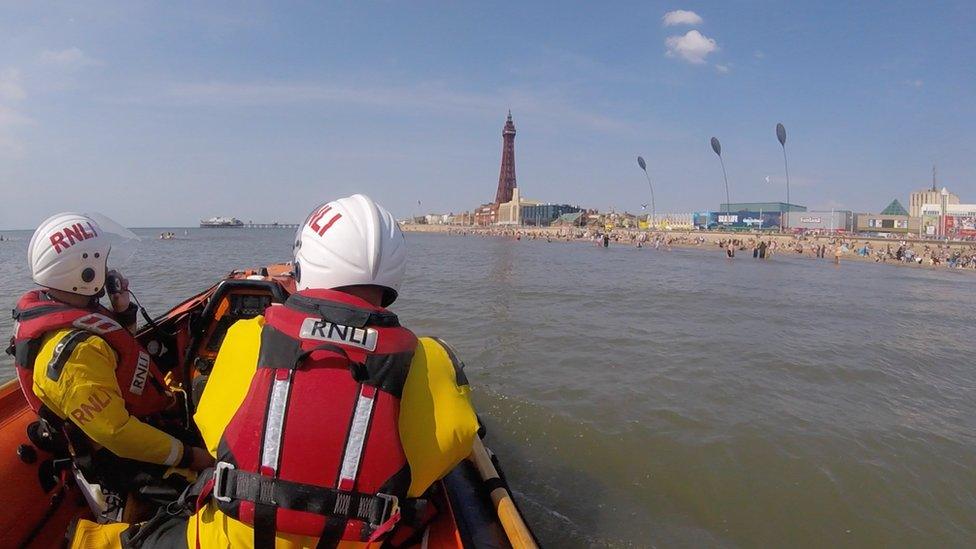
[(717, 147), (643, 166), (781, 135)]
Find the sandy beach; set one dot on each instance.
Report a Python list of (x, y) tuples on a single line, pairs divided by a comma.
[(901, 251)]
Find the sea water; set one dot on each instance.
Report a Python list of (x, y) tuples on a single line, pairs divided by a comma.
[(641, 397)]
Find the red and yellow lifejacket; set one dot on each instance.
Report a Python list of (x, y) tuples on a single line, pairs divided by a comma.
[(314, 449), (140, 381)]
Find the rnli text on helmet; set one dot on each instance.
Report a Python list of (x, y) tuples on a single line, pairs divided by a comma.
[(66, 237), (316, 217)]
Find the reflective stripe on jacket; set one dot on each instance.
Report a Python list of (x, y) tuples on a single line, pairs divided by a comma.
[(437, 423)]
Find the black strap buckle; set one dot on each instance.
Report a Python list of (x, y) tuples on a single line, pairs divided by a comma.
[(231, 484)]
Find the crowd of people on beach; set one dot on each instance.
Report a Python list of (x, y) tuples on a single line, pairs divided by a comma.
[(959, 255)]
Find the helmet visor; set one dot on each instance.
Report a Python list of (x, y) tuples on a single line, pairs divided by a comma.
[(124, 243)]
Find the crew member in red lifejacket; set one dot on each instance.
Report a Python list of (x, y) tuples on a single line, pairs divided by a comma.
[(329, 420), (82, 370)]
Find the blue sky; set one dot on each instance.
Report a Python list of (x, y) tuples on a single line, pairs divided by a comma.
[(161, 114)]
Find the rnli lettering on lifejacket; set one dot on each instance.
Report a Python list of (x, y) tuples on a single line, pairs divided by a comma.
[(140, 375), (69, 236), (323, 330), (97, 402)]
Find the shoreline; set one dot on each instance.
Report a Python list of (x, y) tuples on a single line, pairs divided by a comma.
[(881, 250)]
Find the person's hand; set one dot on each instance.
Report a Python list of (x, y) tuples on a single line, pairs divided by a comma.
[(120, 300), (201, 459)]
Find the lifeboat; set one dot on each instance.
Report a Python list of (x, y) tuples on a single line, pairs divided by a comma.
[(40, 496)]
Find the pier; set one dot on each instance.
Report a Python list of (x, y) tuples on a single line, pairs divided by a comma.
[(252, 225)]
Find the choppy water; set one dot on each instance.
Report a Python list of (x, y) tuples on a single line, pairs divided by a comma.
[(641, 397)]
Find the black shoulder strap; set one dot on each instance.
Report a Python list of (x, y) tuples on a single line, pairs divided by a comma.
[(40, 310), (460, 378), (278, 350), (25, 351), (346, 315), (63, 351), (281, 351)]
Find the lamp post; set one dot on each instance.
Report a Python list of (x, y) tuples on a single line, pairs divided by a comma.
[(781, 136), (643, 166), (717, 147), (945, 203)]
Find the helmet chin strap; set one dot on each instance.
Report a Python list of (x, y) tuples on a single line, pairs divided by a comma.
[(93, 300), (62, 296)]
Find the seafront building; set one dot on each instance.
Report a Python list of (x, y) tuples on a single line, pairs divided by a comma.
[(543, 215), (832, 221), (746, 216), (918, 199), (932, 212), (669, 221), (488, 214), (952, 220), (509, 207), (895, 208), (885, 223), (760, 207), (575, 219)]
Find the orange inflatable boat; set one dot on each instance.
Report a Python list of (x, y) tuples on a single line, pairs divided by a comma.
[(41, 499)]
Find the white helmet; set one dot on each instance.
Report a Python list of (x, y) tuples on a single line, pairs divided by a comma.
[(348, 242), (68, 252)]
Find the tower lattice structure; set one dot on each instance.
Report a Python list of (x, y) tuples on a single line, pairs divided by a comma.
[(506, 177)]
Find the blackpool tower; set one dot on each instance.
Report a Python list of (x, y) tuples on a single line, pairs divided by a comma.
[(506, 177)]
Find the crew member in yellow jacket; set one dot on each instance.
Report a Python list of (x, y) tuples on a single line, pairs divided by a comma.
[(437, 425), (349, 261), (79, 364), (88, 393)]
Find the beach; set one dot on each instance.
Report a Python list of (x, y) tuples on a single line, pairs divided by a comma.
[(903, 250)]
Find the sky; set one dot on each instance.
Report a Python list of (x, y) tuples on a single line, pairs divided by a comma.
[(161, 114)]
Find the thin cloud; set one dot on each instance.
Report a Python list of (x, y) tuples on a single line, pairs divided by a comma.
[(11, 91), (681, 17), (724, 69), (71, 58), (915, 83), (427, 96), (693, 47), (11, 85)]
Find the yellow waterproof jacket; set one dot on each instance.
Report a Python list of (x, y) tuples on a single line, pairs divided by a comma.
[(87, 393), (437, 425)]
